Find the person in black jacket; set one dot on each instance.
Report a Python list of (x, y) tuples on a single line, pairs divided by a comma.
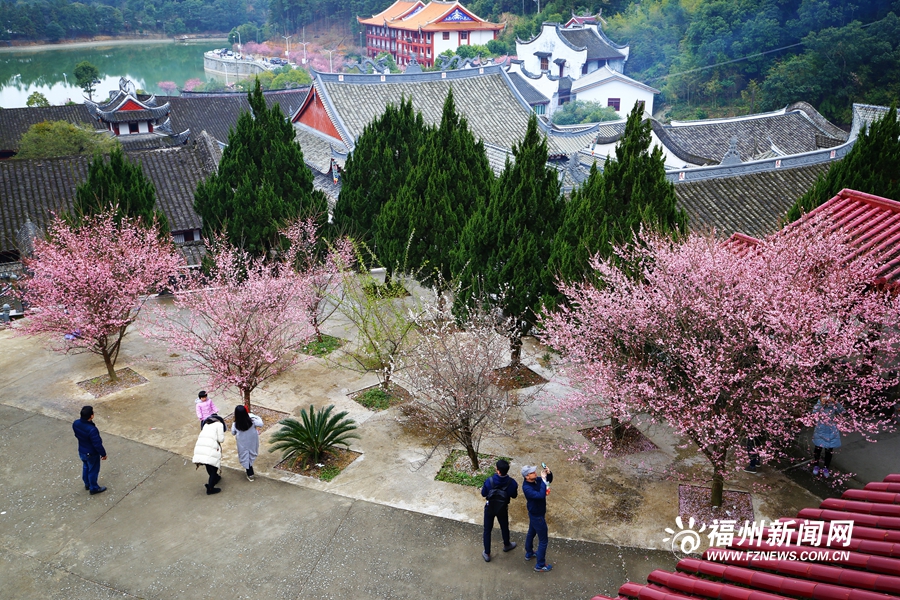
[(90, 449), (499, 489), (536, 489)]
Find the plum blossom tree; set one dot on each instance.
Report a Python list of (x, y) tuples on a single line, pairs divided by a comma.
[(244, 323), (724, 344), (324, 274), (89, 283), (451, 373)]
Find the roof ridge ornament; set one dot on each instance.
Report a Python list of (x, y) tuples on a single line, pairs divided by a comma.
[(732, 157)]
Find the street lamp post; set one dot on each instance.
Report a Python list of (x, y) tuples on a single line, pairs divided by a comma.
[(304, 44), (239, 39), (330, 63), (539, 6), (287, 39)]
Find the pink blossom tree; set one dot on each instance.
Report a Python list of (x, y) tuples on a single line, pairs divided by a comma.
[(166, 86), (191, 84), (246, 321), (89, 283), (324, 274), (725, 345)]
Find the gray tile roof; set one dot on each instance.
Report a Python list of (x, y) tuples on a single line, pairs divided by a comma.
[(214, 113), (317, 150), (791, 132), (14, 122), (531, 95), (33, 189), (750, 204), (494, 113), (217, 113), (597, 48)]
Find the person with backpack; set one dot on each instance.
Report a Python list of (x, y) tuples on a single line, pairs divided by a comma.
[(498, 489)]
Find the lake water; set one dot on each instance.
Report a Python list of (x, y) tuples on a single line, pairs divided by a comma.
[(50, 71)]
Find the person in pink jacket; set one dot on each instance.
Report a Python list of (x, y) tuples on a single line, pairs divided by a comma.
[(205, 407)]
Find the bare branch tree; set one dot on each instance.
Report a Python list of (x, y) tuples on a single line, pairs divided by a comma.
[(451, 374)]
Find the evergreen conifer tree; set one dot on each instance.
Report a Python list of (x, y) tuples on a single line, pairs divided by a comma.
[(421, 224), (378, 166), (872, 166), (610, 206), (118, 183), (262, 182), (505, 246)]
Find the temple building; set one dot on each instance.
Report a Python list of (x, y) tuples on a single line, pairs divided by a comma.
[(415, 32), (126, 113)]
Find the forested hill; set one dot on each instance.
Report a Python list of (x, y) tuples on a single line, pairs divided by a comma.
[(57, 20), (708, 57), (725, 57)]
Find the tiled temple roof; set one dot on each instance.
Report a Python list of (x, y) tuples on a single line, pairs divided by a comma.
[(753, 204), (791, 132), (32, 189), (14, 122), (217, 113), (531, 95), (496, 113), (871, 224), (597, 47)]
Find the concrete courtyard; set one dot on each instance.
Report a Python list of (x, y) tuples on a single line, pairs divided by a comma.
[(384, 528)]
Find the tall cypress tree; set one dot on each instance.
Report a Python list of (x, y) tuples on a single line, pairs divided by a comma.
[(609, 207), (381, 160), (118, 183), (505, 246), (262, 182), (421, 224), (872, 166)]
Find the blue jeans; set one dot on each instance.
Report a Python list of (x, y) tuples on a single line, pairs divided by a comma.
[(537, 525), (502, 521), (90, 470)]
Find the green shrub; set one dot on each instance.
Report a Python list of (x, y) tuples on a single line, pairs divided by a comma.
[(326, 346), (450, 475), (329, 472), (313, 435), (375, 399)]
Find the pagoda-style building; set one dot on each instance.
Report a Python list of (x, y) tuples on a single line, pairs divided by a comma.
[(126, 113), (418, 32)]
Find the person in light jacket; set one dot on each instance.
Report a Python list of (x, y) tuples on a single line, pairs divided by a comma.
[(208, 450), (246, 435), (826, 434)]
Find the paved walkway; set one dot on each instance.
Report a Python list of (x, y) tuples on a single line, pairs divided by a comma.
[(155, 534)]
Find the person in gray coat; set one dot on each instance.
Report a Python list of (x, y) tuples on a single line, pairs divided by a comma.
[(246, 432)]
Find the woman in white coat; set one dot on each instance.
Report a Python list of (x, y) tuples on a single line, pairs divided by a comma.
[(246, 435), (208, 450)]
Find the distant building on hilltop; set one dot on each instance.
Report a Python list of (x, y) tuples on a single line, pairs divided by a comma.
[(415, 31)]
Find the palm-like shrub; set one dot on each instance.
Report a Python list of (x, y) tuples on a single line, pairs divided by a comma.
[(314, 435)]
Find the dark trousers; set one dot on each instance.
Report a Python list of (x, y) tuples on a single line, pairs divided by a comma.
[(537, 526), (502, 521), (752, 453), (817, 452), (90, 470), (214, 476)]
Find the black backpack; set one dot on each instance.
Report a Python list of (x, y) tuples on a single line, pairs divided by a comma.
[(497, 500)]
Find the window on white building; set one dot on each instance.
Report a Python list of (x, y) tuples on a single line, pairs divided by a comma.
[(545, 63), (615, 103), (446, 35), (463, 35), (539, 109)]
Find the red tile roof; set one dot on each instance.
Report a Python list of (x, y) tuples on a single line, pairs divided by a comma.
[(868, 568), (872, 225)]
